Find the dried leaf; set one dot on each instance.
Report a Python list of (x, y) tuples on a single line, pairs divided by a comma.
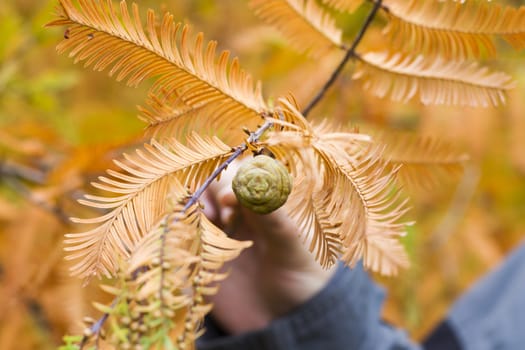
[(304, 23), (139, 200), (423, 162), (344, 175), (106, 38), (431, 81), (453, 29)]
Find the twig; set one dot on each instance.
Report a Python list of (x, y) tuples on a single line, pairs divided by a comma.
[(238, 151), (382, 6), (12, 169), (161, 260), (349, 54), (96, 328)]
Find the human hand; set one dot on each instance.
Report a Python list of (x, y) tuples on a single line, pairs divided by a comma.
[(266, 281)]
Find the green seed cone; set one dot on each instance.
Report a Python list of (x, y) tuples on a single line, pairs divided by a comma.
[(262, 184)]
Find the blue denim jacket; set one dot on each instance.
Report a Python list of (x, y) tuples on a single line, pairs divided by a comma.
[(346, 314)]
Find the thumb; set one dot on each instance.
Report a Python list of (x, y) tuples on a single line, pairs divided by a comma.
[(227, 203)]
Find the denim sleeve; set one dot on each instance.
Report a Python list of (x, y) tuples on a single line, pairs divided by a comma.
[(491, 315), (344, 315)]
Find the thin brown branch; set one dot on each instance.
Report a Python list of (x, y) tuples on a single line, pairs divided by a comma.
[(96, 328), (382, 6), (349, 54), (162, 256), (238, 151), (13, 169)]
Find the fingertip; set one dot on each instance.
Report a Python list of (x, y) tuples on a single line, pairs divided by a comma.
[(226, 197), (208, 207), (227, 214), (209, 212)]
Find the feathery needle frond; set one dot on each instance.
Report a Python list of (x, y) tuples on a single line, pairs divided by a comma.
[(304, 23), (307, 205), (180, 263), (106, 38), (139, 199), (454, 29), (344, 175), (385, 254), (371, 204), (168, 119), (171, 119), (422, 162), (432, 81), (309, 208)]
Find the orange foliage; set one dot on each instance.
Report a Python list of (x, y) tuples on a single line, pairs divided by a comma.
[(60, 127)]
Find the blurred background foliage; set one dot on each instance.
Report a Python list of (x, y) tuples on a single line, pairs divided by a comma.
[(61, 125)]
